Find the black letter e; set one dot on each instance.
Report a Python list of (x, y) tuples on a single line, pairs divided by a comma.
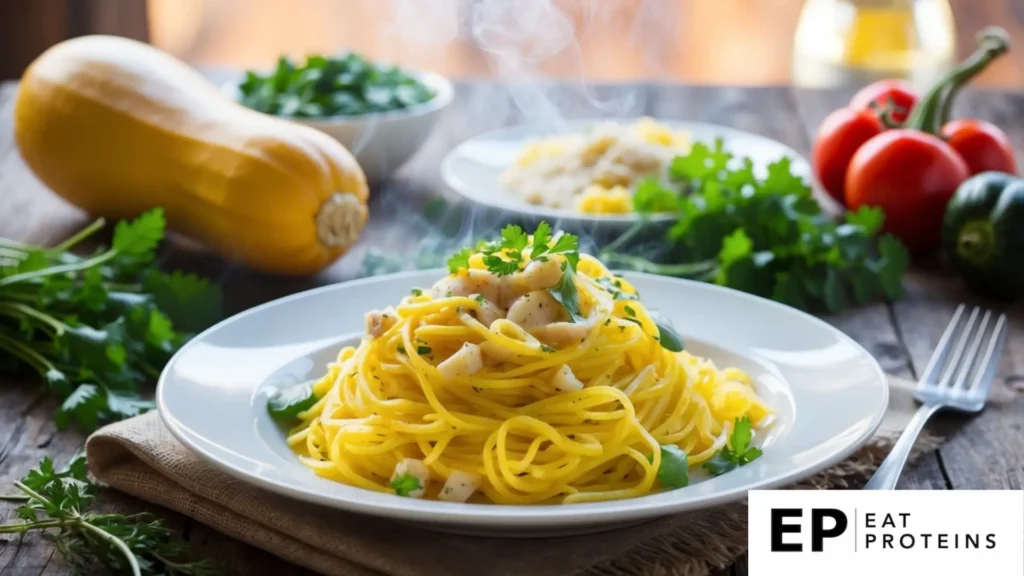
[(779, 528)]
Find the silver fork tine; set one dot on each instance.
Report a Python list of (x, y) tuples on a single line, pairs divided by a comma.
[(968, 367), (958, 352), (941, 349), (990, 362)]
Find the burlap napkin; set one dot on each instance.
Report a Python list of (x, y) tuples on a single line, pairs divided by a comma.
[(140, 457)]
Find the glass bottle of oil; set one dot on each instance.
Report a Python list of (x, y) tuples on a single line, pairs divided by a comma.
[(854, 42)]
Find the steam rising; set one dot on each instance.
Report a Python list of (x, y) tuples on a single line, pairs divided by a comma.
[(518, 40)]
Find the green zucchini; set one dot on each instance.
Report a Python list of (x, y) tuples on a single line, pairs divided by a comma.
[(983, 234)]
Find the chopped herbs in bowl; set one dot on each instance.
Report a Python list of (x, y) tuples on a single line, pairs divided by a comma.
[(381, 113), (324, 87)]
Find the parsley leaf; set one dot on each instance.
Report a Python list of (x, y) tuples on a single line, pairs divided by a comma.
[(405, 484), (737, 452), (567, 245), (423, 350), (674, 471), (514, 239), (541, 238), (651, 197), (459, 260), (567, 294), (500, 266)]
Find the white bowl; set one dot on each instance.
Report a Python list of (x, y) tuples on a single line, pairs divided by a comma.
[(382, 142)]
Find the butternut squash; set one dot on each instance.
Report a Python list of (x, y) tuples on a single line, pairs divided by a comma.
[(118, 127)]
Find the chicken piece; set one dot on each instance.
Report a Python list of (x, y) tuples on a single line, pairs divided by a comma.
[(565, 381), (560, 334), (467, 361), (459, 486), (535, 309), (418, 470), (540, 275), (488, 312), (472, 282), (380, 321)]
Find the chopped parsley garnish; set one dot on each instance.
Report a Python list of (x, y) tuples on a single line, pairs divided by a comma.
[(630, 312), (737, 452), (404, 484), (325, 86), (401, 349), (479, 298), (423, 350), (546, 348), (614, 287), (507, 255), (417, 292)]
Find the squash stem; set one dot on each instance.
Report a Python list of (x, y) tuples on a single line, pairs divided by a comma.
[(340, 220)]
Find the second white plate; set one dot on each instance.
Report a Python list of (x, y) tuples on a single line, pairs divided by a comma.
[(473, 168)]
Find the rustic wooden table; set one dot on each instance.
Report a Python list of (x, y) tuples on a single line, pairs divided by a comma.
[(983, 452)]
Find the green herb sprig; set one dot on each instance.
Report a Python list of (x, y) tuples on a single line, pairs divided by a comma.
[(766, 236), (96, 327), (57, 502), (737, 451), (405, 484), (320, 87)]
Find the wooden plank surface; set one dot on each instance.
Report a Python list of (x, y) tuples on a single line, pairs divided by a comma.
[(985, 452)]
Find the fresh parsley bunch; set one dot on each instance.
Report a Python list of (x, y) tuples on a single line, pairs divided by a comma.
[(322, 87), (95, 327), (764, 236), (57, 501)]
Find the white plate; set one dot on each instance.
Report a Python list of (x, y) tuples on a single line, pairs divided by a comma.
[(829, 393), (473, 168)]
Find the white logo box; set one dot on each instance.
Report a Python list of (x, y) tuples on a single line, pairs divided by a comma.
[(937, 533)]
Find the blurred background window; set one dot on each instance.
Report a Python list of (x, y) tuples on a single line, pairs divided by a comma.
[(741, 42)]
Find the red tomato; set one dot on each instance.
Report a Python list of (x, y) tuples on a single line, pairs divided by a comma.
[(982, 145), (911, 175), (901, 92), (839, 137)]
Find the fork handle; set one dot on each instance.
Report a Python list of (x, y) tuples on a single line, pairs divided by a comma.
[(888, 473)]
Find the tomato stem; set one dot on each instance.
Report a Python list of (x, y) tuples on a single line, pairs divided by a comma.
[(885, 113), (934, 109)]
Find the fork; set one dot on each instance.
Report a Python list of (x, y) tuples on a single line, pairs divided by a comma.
[(955, 378)]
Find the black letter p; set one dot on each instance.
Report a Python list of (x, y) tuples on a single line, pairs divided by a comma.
[(818, 532)]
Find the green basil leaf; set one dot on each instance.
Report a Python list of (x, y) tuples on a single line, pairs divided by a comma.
[(668, 337)]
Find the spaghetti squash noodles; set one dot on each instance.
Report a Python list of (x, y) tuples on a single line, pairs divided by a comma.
[(531, 374)]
